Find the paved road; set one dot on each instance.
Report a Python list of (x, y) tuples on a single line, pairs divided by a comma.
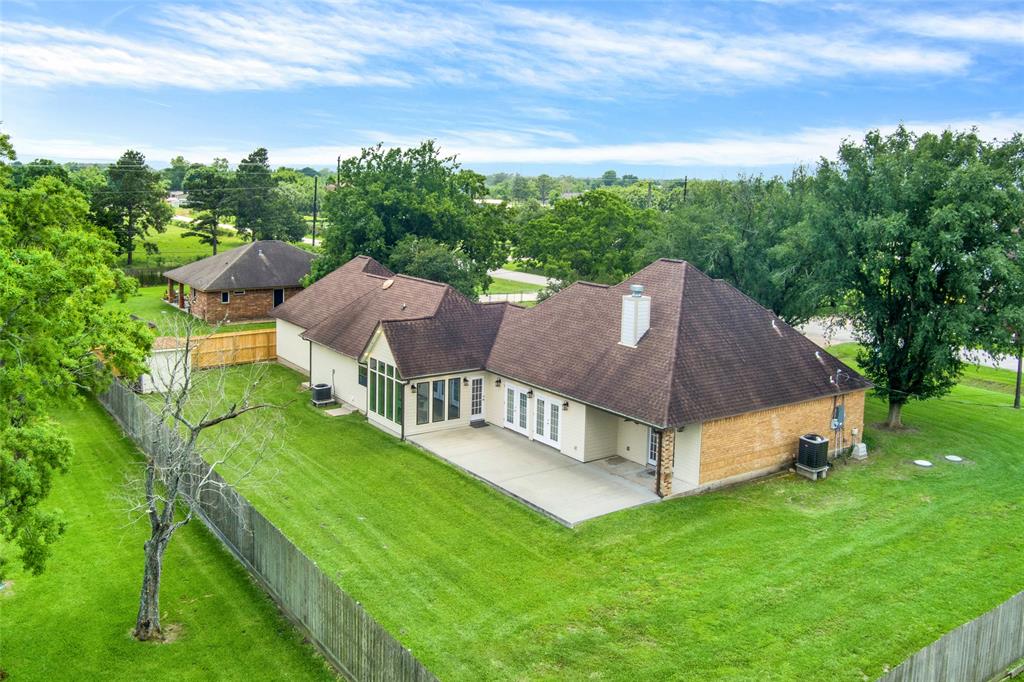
[(517, 276), (827, 332), (511, 298)]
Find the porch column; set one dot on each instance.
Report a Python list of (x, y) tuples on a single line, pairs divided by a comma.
[(181, 295), (666, 457), (170, 291)]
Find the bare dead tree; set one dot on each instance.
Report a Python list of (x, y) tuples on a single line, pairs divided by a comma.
[(193, 403)]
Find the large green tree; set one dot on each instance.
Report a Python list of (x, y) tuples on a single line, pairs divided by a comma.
[(176, 172), (210, 194), (752, 232), (132, 204), (261, 209), (388, 194), (596, 236), (57, 272), (430, 259), (918, 231)]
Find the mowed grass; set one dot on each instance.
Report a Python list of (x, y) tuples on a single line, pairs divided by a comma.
[(782, 579), (148, 304), (508, 286), (175, 249), (74, 621)]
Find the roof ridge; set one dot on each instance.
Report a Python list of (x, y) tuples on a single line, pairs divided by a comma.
[(675, 345), (423, 279)]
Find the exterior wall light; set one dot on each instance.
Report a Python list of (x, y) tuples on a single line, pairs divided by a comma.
[(565, 406), (497, 382), (529, 394), (465, 381)]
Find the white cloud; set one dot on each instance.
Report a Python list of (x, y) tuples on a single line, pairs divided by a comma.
[(513, 148), (996, 27), (288, 44)]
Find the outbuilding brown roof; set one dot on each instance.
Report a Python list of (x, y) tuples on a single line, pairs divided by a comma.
[(264, 264)]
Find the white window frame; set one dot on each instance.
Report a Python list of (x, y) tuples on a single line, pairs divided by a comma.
[(653, 443)]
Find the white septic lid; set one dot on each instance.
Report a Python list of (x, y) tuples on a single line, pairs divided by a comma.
[(954, 458), (922, 463)]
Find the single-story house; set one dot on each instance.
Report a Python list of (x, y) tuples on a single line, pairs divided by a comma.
[(670, 369), (240, 284)]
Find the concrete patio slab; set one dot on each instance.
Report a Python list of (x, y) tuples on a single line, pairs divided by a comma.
[(561, 487)]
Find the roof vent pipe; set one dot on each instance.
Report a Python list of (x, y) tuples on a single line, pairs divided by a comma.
[(636, 316)]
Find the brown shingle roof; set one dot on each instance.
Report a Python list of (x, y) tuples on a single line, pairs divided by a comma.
[(457, 338), (349, 329), (264, 264), (332, 293), (711, 351)]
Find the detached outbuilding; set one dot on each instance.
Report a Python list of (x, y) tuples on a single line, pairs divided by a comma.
[(240, 284)]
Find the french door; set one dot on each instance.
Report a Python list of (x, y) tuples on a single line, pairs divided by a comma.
[(547, 423), (476, 399), (517, 409)]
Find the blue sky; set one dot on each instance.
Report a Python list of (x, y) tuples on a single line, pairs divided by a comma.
[(656, 89)]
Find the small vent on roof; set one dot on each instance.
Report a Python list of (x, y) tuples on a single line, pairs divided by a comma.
[(403, 306), (387, 284)]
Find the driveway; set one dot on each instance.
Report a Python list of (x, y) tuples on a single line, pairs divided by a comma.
[(517, 276), (561, 487), (828, 331)]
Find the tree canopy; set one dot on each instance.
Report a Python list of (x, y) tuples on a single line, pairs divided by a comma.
[(385, 195), (752, 232), (131, 204), (596, 236), (262, 210), (919, 232), (57, 272)]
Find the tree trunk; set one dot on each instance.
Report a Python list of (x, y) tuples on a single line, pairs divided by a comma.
[(147, 624), (1020, 360), (131, 249), (895, 420)]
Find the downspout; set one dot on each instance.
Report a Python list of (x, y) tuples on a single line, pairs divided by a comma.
[(310, 363), (403, 409)]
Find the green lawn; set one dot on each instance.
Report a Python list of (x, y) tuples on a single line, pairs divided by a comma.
[(508, 286), (74, 621), (781, 579), (147, 303), (176, 250)]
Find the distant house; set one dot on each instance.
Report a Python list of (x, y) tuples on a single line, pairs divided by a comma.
[(240, 284), (671, 370)]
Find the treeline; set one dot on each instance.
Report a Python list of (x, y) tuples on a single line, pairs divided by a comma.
[(546, 188), (129, 198)]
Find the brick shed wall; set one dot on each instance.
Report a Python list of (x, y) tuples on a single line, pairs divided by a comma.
[(254, 304), (759, 441)]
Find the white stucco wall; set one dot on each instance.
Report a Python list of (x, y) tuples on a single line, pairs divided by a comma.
[(291, 347), (341, 371), (632, 441), (686, 467), (166, 369), (602, 434)]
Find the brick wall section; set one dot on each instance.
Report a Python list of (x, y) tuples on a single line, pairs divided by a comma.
[(666, 461), (768, 439), (254, 304)]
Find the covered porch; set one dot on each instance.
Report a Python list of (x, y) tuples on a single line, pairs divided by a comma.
[(561, 487), (176, 294)]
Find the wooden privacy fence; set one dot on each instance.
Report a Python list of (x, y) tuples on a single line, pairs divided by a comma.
[(235, 348), (975, 652), (349, 637)]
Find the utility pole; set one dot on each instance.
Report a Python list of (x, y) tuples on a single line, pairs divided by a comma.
[(649, 201), (316, 187), (337, 179), (686, 179)]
